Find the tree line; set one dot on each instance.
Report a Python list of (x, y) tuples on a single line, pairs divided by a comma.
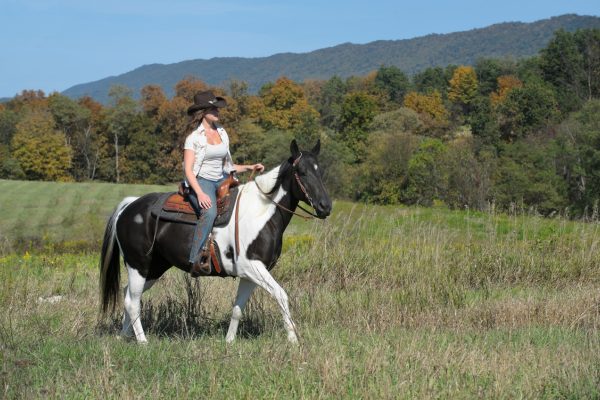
[(502, 132)]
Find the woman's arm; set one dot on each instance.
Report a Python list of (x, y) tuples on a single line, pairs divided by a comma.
[(251, 167), (188, 167)]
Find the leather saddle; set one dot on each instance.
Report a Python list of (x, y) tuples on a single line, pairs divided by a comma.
[(176, 207)]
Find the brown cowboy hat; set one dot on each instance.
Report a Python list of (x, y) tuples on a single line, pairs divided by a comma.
[(206, 99)]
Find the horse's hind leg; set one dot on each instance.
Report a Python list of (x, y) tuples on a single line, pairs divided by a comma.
[(244, 292), (133, 297), (126, 331)]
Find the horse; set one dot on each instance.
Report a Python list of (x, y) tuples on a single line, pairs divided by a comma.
[(150, 247)]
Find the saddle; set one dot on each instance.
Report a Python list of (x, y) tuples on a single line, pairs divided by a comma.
[(176, 207)]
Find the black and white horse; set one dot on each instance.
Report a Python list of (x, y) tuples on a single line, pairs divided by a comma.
[(263, 216)]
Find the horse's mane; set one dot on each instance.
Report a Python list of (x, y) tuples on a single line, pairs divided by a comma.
[(272, 179)]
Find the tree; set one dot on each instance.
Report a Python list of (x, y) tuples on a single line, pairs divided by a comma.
[(75, 121), (505, 84), (526, 110), (31, 99), (469, 178), (588, 42), (40, 149), (142, 153), (330, 102), (171, 130), (152, 98), (284, 106), (484, 122), (578, 155), (358, 110), (118, 120), (430, 80), (401, 120), (8, 125), (9, 166), (91, 141), (561, 65), (392, 81), (388, 160), (188, 87), (526, 176), (463, 87), (427, 176), (431, 109), (488, 71)]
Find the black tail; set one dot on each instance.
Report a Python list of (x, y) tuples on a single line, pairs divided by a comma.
[(110, 266)]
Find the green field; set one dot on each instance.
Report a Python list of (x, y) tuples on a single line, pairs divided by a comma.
[(390, 302)]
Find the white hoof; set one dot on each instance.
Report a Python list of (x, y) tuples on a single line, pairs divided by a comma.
[(292, 338)]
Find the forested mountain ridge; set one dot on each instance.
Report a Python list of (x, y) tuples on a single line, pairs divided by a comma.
[(511, 39), (503, 134)]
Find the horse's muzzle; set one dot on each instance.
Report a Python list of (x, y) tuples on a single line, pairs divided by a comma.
[(323, 209)]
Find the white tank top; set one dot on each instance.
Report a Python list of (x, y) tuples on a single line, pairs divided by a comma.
[(212, 165)]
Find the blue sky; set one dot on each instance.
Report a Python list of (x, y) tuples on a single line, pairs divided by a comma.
[(55, 44)]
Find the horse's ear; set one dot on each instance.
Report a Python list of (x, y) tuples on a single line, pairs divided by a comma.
[(294, 149), (317, 148)]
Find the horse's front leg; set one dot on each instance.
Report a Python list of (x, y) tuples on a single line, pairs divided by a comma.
[(258, 273), (244, 292)]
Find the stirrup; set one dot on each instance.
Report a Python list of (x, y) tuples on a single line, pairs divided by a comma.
[(201, 266)]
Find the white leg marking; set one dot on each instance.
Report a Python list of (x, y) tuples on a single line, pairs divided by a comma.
[(244, 292), (259, 274), (133, 296), (126, 331)]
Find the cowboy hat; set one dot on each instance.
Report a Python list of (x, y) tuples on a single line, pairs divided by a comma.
[(206, 99)]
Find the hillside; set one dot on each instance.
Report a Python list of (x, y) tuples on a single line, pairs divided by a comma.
[(511, 39)]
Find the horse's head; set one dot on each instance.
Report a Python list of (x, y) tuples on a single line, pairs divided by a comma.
[(308, 185)]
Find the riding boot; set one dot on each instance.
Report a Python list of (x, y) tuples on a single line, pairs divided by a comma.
[(202, 264)]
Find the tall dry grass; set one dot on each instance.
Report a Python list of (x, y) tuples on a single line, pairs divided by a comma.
[(389, 303)]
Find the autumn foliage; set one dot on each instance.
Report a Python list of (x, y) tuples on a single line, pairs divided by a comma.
[(500, 133)]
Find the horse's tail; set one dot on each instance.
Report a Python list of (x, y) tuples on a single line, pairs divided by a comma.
[(110, 261)]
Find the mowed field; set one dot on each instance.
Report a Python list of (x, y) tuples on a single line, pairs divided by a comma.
[(390, 302)]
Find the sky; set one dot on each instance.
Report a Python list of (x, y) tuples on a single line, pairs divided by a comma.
[(54, 44)]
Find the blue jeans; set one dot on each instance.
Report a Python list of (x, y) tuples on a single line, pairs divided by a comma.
[(206, 217)]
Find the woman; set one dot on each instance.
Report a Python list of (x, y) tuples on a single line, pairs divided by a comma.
[(207, 162)]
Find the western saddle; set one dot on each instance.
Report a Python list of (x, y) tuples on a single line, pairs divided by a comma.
[(179, 203)]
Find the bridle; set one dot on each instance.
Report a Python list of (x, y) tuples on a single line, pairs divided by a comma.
[(302, 188)]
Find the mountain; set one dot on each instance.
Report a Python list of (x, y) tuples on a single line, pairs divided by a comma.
[(509, 39)]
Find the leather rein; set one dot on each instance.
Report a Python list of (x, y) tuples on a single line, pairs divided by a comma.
[(302, 188)]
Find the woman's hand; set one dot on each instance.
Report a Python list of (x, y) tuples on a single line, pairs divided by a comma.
[(204, 200), (257, 167)]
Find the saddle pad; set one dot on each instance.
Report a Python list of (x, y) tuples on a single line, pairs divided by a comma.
[(173, 207)]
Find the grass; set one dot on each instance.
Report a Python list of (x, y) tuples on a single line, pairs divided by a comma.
[(68, 215), (390, 302)]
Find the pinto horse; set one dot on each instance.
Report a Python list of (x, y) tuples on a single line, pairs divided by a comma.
[(150, 247)]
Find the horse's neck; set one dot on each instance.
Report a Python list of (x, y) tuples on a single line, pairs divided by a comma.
[(272, 188)]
